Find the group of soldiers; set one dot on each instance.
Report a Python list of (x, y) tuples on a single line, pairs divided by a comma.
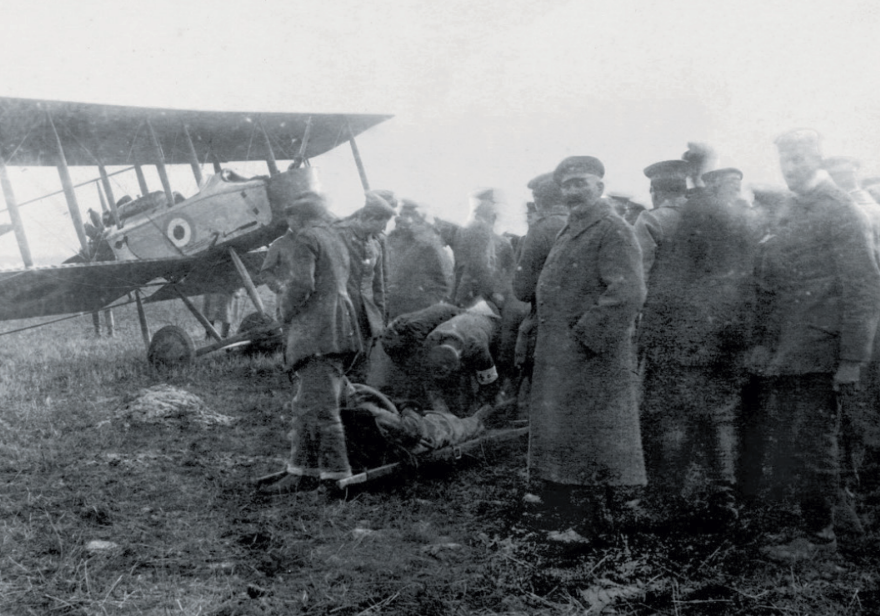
[(707, 329)]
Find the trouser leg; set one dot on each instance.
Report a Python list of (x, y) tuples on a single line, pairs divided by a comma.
[(752, 427), (318, 438), (808, 410), (664, 433)]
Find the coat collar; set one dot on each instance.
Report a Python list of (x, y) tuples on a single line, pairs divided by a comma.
[(820, 186), (583, 217)]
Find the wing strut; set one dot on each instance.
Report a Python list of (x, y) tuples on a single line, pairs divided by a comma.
[(193, 157), (160, 164), (248, 284), (108, 190), (15, 216), (357, 157), (270, 154), (69, 192), (201, 318), (142, 180), (303, 146), (142, 319)]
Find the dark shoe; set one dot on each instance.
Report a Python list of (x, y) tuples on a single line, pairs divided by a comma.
[(722, 513)]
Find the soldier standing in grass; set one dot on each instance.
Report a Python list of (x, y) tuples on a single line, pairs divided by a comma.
[(693, 335), (366, 284), (550, 216), (322, 339), (585, 446), (860, 413), (817, 309)]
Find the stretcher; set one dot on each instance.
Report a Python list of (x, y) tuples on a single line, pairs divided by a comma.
[(447, 454)]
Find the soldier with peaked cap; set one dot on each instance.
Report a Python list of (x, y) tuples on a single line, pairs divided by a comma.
[(693, 336), (669, 191), (419, 266), (321, 339), (585, 439), (817, 309), (483, 259), (419, 276), (361, 233), (860, 413), (668, 196), (552, 214)]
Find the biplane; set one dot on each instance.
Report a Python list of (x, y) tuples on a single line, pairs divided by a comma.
[(174, 246)]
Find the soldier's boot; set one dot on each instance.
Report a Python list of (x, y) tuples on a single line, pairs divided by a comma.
[(332, 453), (722, 512)]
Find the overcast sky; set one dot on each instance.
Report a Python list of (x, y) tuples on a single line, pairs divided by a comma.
[(484, 93)]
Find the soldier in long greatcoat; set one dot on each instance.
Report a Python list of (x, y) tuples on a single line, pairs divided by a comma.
[(585, 438), (693, 336), (550, 216)]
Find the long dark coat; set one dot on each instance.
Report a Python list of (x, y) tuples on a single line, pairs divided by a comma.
[(652, 228), (366, 283), (419, 271), (698, 311), (584, 419), (818, 285), (318, 313), (535, 247)]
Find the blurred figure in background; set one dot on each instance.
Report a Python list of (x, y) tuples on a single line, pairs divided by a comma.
[(818, 304), (419, 267)]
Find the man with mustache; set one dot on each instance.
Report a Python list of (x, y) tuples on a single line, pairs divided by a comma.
[(585, 450)]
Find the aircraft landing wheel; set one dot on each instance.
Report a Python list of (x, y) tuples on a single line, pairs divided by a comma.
[(265, 343), (171, 346)]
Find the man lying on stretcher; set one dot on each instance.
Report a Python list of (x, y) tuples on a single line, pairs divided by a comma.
[(377, 433)]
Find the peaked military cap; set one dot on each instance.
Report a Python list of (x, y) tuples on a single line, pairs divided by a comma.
[(578, 164), (545, 189), (307, 203), (667, 170), (376, 206), (388, 195), (717, 174), (408, 206), (668, 175), (801, 139)]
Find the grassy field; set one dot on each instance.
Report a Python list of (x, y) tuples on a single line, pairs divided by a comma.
[(185, 533)]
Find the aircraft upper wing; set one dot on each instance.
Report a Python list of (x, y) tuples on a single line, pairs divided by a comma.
[(118, 135)]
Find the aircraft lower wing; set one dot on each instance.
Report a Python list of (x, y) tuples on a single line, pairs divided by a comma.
[(213, 276), (80, 287), (86, 287)]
